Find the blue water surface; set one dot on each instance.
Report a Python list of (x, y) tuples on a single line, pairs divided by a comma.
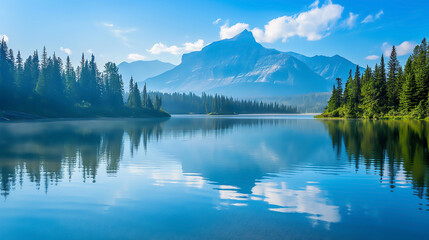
[(214, 177)]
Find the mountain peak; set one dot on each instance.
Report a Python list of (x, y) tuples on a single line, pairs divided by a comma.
[(244, 35)]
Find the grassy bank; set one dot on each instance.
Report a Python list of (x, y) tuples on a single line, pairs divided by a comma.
[(339, 114)]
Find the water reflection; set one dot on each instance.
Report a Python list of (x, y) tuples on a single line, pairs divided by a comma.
[(271, 161), (309, 200), (47, 152), (396, 150)]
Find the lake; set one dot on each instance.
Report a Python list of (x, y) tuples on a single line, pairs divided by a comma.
[(214, 177)]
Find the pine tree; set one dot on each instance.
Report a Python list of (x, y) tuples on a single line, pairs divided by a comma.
[(392, 78), (420, 71), (368, 94), (70, 82), (94, 81), (347, 90), (26, 86), (50, 86), (408, 98), (350, 97), (357, 86), (58, 86), (44, 58), (35, 72), (332, 103), (149, 103), (137, 96), (339, 100), (6, 76), (131, 96), (380, 87), (114, 85), (158, 102), (19, 73), (144, 97), (42, 86)]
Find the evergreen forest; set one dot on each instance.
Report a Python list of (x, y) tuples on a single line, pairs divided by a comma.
[(182, 103), (45, 86), (390, 92)]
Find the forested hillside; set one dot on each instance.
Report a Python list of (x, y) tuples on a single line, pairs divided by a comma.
[(182, 103), (385, 93), (48, 87)]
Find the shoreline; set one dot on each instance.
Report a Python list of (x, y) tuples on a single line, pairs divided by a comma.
[(320, 116), (16, 116)]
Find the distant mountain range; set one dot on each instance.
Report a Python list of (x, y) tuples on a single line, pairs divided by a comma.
[(142, 70), (328, 67), (241, 67)]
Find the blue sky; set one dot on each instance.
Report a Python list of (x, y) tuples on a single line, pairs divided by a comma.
[(165, 29)]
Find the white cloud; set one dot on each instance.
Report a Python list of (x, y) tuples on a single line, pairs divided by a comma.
[(313, 24), (402, 49), (371, 18), (371, 57), (135, 57), (159, 48), (66, 50), (315, 4), (351, 21), (4, 37), (310, 200), (195, 46), (368, 19), (228, 32), (90, 51), (108, 24), (378, 15), (119, 33), (217, 21)]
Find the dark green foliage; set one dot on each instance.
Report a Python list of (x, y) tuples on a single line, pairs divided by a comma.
[(381, 89), (336, 99), (134, 99), (50, 86), (53, 90), (332, 103), (402, 94), (420, 69), (70, 83), (114, 87), (408, 99), (392, 80), (368, 94), (182, 103), (7, 86), (90, 86), (144, 97), (339, 96), (158, 102)]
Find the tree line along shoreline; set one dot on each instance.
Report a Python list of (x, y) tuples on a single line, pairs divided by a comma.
[(190, 103), (44, 86), (392, 93)]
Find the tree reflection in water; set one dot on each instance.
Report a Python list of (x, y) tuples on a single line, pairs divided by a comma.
[(387, 146), (47, 153)]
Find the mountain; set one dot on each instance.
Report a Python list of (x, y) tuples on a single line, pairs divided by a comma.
[(141, 70), (241, 67), (328, 67)]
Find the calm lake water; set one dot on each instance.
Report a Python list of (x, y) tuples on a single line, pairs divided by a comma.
[(200, 177)]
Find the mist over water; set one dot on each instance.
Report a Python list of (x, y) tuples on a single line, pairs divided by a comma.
[(193, 177)]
